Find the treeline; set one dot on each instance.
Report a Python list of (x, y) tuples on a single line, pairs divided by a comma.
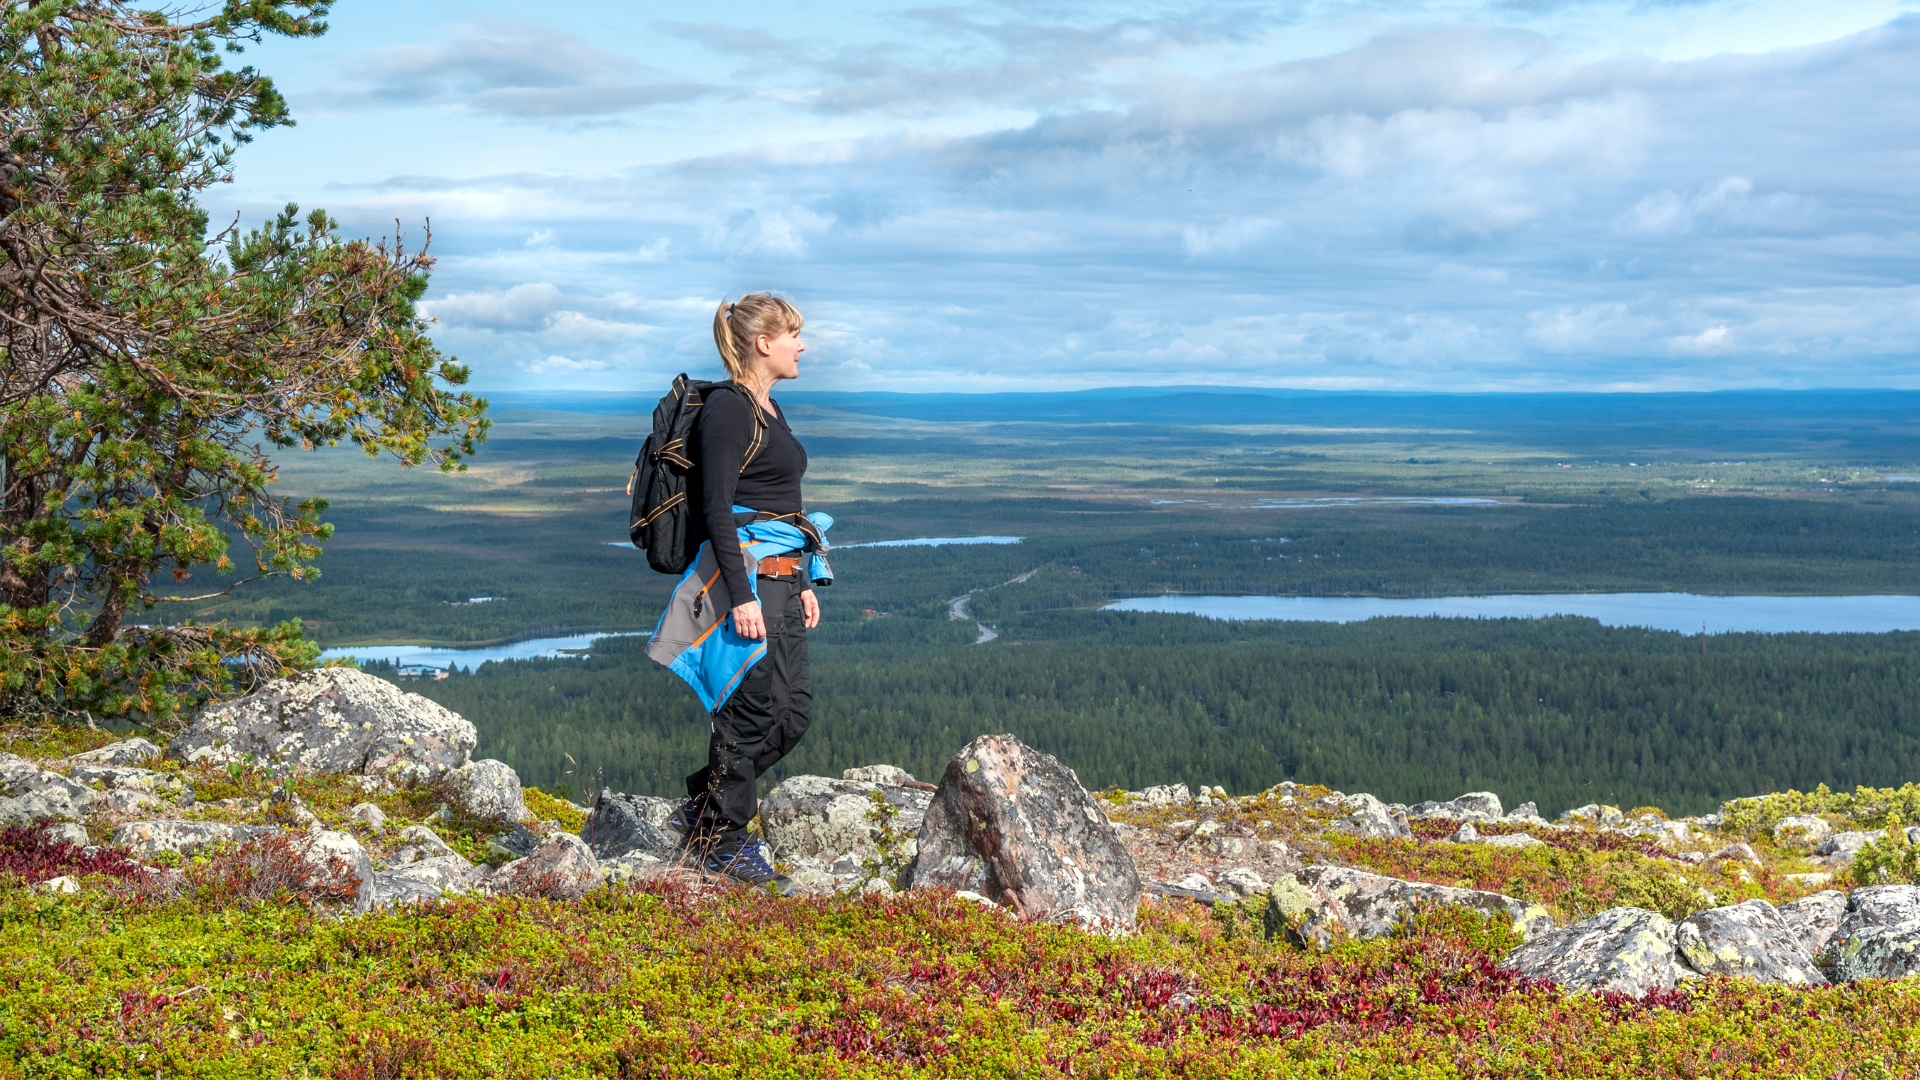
[(1407, 709)]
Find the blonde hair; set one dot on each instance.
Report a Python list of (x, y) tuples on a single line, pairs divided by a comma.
[(738, 325)]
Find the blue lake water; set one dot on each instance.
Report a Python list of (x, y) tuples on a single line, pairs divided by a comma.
[(1335, 502), (1684, 612), (440, 656), (933, 541)]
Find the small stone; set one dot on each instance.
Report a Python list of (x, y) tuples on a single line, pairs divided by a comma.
[(1194, 883), (1525, 813), (287, 808), (1513, 840), (61, 884), (1840, 848), (128, 801), (1465, 834), (1369, 817), (974, 898), (369, 816), (339, 857), (420, 843), (489, 790), (1740, 851), (67, 832), (1626, 949), (1167, 795), (1244, 880)]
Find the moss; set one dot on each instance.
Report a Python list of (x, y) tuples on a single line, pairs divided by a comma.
[(553, 808)]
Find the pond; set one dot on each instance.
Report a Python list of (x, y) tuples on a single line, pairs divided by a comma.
[(439, 656), (1683, 612)]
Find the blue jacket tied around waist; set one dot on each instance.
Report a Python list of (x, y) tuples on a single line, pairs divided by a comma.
[(695, 639)]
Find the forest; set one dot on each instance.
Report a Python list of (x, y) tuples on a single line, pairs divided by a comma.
[(1561, 712)]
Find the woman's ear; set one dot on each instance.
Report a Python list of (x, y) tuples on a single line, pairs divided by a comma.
[(763, 345)]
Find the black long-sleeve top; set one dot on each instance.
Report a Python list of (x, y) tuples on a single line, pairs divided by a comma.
[(770, 482)]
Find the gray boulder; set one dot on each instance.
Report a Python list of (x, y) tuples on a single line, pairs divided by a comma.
[(489, 790), (1805, 830), (1814, 919), (133, 752), (1880, 905), (442, 873), (39, 793), (149, 838), (1840, 848), (128, 778), (1513, 840), (1367, 816), (1526, 814), (1593, 814), (814, 817), (517, 842), (1473, 806), (885, 776), (332, 720), (1014, 825), (1626, 949), (620, 823), (392, 890), (561, 868), (1876, 952), (1320, 903), (419, 842), (1748, 941)]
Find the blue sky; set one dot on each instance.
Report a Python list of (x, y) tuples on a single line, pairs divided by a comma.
[(1520, 195)]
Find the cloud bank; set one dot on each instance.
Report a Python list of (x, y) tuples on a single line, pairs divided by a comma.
[(1029, 197)]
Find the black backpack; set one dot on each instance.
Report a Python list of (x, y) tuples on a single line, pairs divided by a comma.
[(665, 523)]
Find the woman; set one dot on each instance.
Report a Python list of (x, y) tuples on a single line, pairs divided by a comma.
[(750, 470)]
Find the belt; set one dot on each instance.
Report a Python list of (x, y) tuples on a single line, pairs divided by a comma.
[(780, 565)]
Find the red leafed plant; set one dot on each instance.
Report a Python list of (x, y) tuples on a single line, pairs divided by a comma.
[(31, 852)]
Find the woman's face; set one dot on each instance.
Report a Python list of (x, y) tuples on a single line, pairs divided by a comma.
[(780, 356)]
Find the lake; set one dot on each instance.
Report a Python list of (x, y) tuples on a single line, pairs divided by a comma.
[(1336, 502), (918, 541), (442, 656), (1684, 612)]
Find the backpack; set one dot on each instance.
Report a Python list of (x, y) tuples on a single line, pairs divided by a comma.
[(664, 522)]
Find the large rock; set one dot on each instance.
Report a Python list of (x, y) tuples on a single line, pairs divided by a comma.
[(814, 817), (149, 838), (621, 823), (1473, 806), (1814, 919), (1840, 848), (561, 868), (33, 792), (332, 720), (1880, 905), (1802, 829), (1367, 816), (489, 790), (1320, 903), (1748, 941), (1015, 826), (1626, 949), (133, 752), (1876, 952), (128, 778)]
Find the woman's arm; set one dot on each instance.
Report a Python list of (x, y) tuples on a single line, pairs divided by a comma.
[(725, 430)]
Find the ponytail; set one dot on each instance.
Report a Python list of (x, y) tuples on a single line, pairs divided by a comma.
[(737, 325)]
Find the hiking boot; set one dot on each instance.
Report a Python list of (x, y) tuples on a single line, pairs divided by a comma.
[(685, 819), (743, 862)]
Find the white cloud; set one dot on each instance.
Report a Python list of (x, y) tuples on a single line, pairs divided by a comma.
[(562, 365)]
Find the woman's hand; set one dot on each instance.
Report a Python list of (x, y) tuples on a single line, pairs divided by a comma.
[(748, 622), (811, 607)]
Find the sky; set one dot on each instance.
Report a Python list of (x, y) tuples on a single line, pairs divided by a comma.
[(1333, 194)]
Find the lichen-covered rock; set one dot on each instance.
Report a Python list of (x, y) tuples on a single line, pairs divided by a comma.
[(819, 818), (1526, 814), (1319, 903), (517, 842), (1805, 830), (1748, 941), (1015, 826), (1813, 920), (1244, 880), (419, 842), (620, 823), (884, 775), (149, 838), (489, 790), (390, 890), (1367, 816), (1473, 806), (368, 816), (1626, 949), (1167, 795), (1512, 840), (332, 720), (1880, 905), (443, 874), (35, 792), (1876, 952), (134, 752), (128, 778), (561, 868), (1593, 814)]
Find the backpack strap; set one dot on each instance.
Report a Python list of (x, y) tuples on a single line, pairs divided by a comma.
[(758, 441)]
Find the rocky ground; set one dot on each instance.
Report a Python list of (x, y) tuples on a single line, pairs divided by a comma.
[(356, 796)]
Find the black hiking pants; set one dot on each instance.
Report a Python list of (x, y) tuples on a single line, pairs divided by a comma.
[(760, 723)]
